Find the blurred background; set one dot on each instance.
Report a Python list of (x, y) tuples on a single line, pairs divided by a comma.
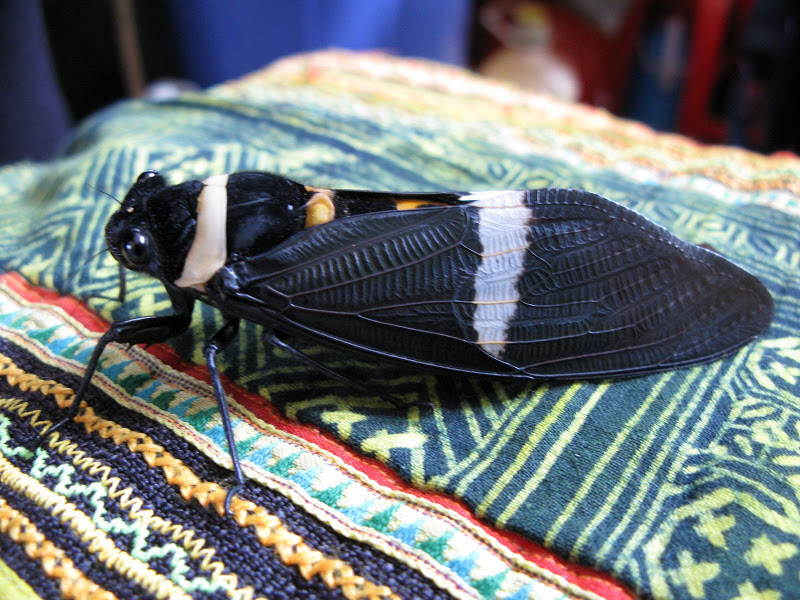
[(720, 71)]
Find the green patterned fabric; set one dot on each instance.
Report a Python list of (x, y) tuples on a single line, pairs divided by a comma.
[(684, 484)]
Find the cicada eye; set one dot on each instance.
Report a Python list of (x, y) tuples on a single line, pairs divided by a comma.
[(136, 248), (146, 175)]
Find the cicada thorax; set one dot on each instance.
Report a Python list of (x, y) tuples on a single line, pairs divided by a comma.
[(233, 217)]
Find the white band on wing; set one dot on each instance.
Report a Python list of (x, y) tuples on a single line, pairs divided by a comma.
[(209, 247), (504, 224)]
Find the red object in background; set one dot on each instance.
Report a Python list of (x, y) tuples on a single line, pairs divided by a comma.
[(602, 62), (711, 21)]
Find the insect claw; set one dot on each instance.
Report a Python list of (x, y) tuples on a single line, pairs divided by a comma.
[(235, 490), (41, 438), (46, 433)]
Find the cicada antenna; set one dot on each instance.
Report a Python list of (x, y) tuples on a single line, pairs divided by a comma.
[(122, 282), (86, 262), (104, 193)]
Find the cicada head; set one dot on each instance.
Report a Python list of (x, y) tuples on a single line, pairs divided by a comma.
[(153, 227)]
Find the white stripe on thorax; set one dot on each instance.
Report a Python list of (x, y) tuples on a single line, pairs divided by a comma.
[(209, 248), (504, 222)]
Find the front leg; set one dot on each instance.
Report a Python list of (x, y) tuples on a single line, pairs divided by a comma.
[(140, 330), (215, 345)]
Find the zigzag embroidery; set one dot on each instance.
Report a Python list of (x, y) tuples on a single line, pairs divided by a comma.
[(97, 540), (55, 563), (147, 519), (270, 531)]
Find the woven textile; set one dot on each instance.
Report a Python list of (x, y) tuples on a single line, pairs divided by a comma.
[(683, 484), (125, 490)]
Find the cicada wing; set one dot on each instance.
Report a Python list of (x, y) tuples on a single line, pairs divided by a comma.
[(606, 292), (395, 284), (545, 283)]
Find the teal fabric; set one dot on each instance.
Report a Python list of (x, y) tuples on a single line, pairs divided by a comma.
[(684, 484)]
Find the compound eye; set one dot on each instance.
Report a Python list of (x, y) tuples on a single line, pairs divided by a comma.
[(146, 175), (136, 248)]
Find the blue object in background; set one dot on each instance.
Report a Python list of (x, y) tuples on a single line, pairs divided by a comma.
[(659, 73), (219, 40), (33, 112)]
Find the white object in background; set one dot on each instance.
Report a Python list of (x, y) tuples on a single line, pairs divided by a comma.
[(527, 57)]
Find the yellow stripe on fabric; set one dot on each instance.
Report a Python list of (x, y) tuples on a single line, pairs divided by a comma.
[(626, 477), (599, 467), (496, 443), (13, 586), (417, 449), (98, 542), (490, 403), (467, 413), (270, 531), (654, 548), (448, 453), (565, 438), (678, 429), (539, 432), (55, 563)]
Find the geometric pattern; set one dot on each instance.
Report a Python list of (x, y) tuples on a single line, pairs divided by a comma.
[(684, 484), (150, 550)]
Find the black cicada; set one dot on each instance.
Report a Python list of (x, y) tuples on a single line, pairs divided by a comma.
[(548, 283)]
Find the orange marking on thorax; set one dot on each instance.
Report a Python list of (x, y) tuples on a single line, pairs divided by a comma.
[(412, 204), (319, 208)]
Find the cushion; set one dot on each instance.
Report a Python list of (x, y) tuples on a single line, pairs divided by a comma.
[(683, 484)]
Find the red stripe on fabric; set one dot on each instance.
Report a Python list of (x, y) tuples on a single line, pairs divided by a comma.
[(584, 577)]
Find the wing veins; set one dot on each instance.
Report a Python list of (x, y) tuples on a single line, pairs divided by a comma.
[(362, 244), (380, 273)]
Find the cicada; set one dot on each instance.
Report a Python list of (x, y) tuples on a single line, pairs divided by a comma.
[(540, 284)]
